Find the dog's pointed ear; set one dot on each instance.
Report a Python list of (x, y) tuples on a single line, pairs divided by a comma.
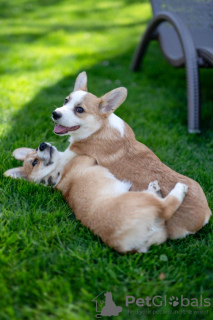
[(21, 153), (16, 173), (112, 100), (81, 82)]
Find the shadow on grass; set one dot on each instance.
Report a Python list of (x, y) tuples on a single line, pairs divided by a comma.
[(33, 121), (29, 37)]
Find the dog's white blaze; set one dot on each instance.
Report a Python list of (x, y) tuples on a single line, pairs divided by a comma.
[(117, 123), (77, 96), (69, 119)]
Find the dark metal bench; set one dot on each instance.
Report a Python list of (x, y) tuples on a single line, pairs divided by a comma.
[(184, 29)]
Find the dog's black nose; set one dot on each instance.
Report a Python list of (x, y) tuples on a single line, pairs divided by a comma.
[(42, 146), (56, 115)]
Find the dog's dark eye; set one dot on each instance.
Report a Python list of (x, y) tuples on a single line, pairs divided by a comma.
[(34, 162), (79, 109), (66, 101)]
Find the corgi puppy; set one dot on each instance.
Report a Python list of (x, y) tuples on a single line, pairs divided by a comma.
[(125, 220), (97, 132)]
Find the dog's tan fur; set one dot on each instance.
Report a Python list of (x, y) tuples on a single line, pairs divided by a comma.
[(126, 221), (131, 160), (128, 159), (114, 218)]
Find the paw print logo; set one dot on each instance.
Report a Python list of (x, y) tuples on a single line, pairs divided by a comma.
[(173, 301)]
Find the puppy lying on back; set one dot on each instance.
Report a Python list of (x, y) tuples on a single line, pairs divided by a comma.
[(95, 131), (126, 221)]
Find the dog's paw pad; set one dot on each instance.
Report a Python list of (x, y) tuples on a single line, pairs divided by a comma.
[(154, 185)]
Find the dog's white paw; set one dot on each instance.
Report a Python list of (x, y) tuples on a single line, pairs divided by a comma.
[(183, 187), (154, 186), (180, 191)]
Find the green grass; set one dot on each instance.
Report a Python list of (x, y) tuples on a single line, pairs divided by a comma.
[(51, 266)]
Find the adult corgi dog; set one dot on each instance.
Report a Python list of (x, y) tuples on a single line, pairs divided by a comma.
[(97, 132), (126, 221)]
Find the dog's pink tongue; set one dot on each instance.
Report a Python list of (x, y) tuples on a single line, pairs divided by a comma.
[(60, 129)]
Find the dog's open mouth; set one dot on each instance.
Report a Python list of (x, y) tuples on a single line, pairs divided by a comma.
[(58, 129)]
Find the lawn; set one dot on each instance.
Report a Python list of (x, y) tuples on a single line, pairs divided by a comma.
[(51, 266)]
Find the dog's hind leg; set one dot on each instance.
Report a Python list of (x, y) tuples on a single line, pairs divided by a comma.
[(173, 201)]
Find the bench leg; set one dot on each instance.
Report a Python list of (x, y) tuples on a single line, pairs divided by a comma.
[(193, 88)]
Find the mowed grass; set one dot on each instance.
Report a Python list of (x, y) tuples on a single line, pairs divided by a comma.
[(51, 267)]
